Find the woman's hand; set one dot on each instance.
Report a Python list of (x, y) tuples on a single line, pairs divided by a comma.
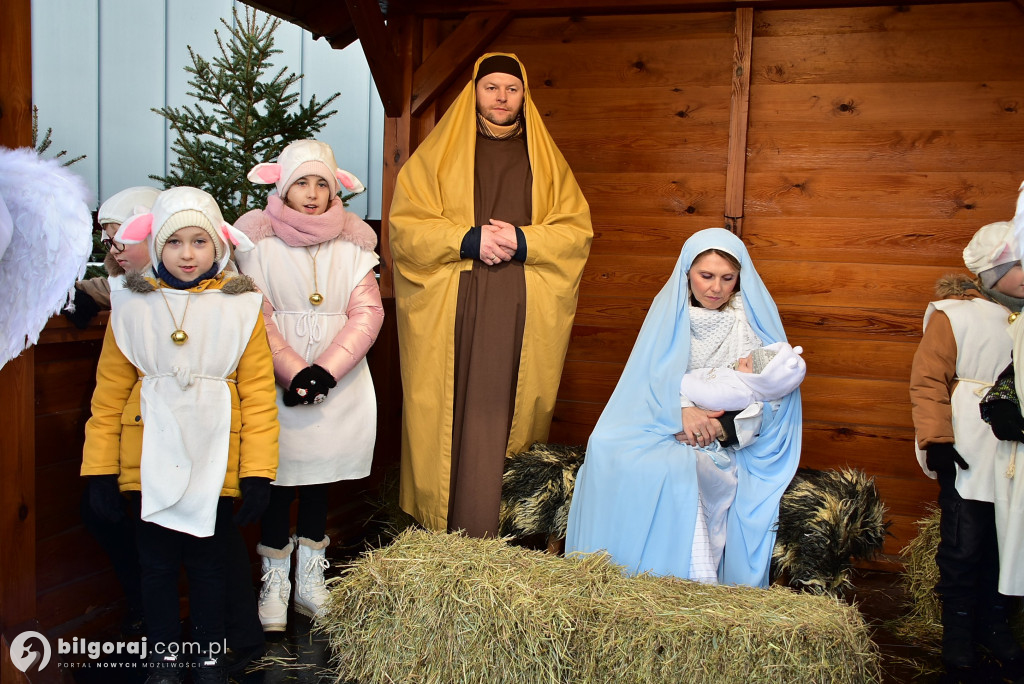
[(700, 427)]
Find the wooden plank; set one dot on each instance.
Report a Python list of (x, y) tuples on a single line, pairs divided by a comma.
[(895, 57), (459, 50), (628, 152), (17, 491), (915, 115), (381, 56), (398, 146), (826, 285), (591, 31), (886, 18), (60, 436), (809, 322), (540, 7), (65, 385), (878, 193), (858, 401), (865, 240), (878, 449), (655, 63), (737, 155), (697, 197), (59, 501)]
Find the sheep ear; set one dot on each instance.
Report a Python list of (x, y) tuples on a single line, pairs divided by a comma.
[(236, 237), (266, 172), (349, 181), (136, 229)]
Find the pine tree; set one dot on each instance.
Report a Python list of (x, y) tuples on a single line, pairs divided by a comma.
[(241, 118)]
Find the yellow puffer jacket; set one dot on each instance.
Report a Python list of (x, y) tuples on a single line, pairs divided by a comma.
[(113, 435)]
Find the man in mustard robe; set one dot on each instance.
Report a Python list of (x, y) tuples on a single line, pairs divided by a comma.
[(489, 234)]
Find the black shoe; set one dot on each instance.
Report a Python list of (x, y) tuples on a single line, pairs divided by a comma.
[(164, 670), (995, 635), (236, 660), (958, 652), (209, 670)]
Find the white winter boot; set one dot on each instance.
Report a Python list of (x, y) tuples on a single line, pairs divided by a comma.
[(277, 587), (310, 562)]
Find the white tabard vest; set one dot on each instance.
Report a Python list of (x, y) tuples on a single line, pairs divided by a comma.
[(984, 346), (186, 403), (332, 440)]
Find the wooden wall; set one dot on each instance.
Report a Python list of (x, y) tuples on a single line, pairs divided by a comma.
[(879, 140)]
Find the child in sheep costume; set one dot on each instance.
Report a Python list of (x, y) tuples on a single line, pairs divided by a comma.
[(314, 262), (183, 415)]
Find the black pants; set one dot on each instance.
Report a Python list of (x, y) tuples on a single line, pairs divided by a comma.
[(310, 523), (162, 552), (968, 553)]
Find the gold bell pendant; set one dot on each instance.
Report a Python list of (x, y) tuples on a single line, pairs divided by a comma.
[(1014, 316), (316, 299), (179, 337)]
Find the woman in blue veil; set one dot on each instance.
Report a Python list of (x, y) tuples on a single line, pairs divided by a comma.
[(636, 495)]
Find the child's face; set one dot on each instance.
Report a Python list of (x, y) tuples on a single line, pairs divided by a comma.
[(745, 364), (309, 195), (188, 253), (129, 257), (1012, 283)]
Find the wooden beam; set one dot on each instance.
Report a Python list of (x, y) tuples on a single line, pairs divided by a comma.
[(17, 392), (738, 115), (380, 52), (397, 148), (459, 50), (449, 8)]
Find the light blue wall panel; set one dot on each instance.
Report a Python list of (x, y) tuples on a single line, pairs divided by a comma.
[(64, 79), (190, 23), (100, 66), (131, 83), (327, 71)]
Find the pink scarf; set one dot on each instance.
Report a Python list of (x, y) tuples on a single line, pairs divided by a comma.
[(300, 230)]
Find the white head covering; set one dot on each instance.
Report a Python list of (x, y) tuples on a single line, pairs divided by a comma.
[(304, 158), (991, 252), (175, 209), (121, 206)]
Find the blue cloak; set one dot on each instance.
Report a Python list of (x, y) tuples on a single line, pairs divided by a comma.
[(636, 493)]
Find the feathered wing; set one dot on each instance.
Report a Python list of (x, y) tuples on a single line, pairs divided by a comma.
[(49, 246)]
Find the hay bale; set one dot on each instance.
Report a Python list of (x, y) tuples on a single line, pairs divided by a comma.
[(827, 519), (444, 608), (536, 490), (922, 621)]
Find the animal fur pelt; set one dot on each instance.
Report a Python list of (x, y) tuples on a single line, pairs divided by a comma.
[(50, 238), (827, 518), (537, 490)]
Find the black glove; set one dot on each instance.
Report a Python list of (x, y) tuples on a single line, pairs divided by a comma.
[(309, 386), (255, 499), (943, 459), (105, 498), (86, 309), (1005, 419)]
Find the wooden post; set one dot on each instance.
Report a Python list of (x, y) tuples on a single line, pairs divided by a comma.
[(739, 111), (397, 148)]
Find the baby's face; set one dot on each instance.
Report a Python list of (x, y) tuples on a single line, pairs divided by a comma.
[(745, 364)]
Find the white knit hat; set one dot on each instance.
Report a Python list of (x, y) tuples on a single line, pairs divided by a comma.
[(178, 208), (304, 158), (121, 206), (990, 253)]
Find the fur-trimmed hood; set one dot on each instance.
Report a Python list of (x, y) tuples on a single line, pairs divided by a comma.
[(226, 283), (957, 285)]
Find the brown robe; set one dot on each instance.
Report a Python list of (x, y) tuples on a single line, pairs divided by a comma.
[(490, 318)]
